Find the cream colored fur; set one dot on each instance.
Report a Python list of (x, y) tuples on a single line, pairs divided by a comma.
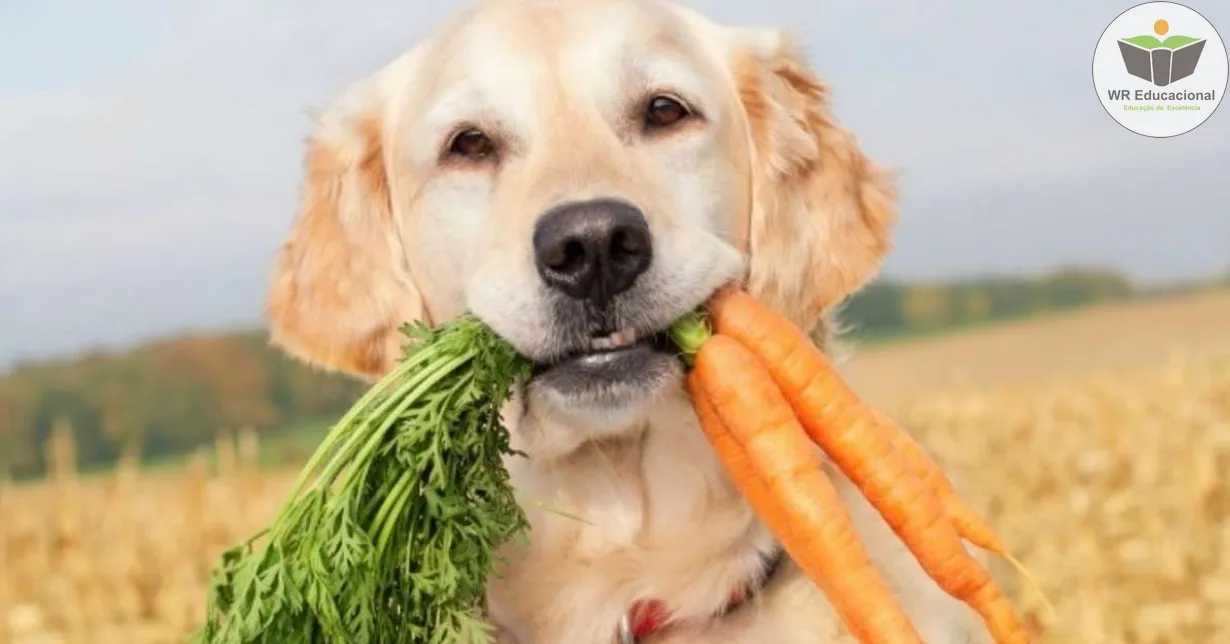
[(766, 188)]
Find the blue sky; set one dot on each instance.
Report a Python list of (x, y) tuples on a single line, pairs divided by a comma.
[(149, 152)]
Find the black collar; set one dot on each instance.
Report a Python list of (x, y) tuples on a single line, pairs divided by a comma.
[(770, 564)]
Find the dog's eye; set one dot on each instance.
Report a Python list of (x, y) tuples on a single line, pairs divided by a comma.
[(471, 144), (664, 111)]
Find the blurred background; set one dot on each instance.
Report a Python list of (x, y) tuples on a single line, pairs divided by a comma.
[(1054, 321)]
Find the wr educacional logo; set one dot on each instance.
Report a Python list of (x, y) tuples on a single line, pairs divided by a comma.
[(1161, 62), (1166, 81)]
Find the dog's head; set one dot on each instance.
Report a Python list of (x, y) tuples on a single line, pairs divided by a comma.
[(578, 175)]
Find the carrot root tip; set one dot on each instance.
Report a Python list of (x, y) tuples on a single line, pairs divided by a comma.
[(1031, 582)]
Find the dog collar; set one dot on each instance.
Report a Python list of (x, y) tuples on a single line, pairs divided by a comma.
[(648, 617)]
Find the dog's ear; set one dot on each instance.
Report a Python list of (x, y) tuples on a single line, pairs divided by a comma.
[(822, 211), (341, 287)]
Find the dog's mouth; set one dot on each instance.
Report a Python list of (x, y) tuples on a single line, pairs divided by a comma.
[(607, 353), (611, 368)]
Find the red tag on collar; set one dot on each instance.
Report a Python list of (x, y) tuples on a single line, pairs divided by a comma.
[(649, 616)]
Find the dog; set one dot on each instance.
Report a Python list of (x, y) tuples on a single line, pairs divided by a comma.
[(579, 174)]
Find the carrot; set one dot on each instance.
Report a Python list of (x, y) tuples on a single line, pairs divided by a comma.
[(905, 487), (966, 520), (775, 468)]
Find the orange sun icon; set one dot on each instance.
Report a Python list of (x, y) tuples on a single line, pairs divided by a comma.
[(1161, 27)]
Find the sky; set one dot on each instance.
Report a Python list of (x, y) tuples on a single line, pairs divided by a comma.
[(150, 151)]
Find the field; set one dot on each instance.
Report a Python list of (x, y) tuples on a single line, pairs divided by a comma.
[(1097, 441)]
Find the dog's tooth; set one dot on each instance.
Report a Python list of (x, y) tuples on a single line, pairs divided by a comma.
[(599, 343)]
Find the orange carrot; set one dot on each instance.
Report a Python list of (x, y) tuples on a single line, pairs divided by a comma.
[(740, 316), (779, 472), (906, 489), (963, 517)]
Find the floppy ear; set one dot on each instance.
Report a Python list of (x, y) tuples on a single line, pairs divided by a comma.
[(341, 287), (822, 211)]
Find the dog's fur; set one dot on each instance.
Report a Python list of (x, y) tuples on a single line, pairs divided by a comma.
[(763, 186)]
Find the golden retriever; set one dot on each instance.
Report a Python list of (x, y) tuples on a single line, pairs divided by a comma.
[(579, 173)]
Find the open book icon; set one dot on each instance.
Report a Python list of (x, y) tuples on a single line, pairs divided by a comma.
[(1161, 62)]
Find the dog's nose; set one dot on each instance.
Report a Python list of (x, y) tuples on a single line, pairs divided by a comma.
[(592, 250)]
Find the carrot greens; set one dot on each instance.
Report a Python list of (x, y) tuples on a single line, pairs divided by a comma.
[(390, 532)]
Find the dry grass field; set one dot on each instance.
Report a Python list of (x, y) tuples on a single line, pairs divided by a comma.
[(1098, 442)]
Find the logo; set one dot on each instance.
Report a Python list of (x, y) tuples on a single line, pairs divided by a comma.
[(1161, 62), (1160, 69)]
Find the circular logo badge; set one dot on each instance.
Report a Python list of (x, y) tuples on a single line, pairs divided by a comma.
[(1160, 69)]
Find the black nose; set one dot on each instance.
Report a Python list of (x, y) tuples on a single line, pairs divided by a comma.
[(592, 250)]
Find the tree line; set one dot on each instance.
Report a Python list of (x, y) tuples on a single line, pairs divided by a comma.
[(164, 397), (891, 308), (173, 395)]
